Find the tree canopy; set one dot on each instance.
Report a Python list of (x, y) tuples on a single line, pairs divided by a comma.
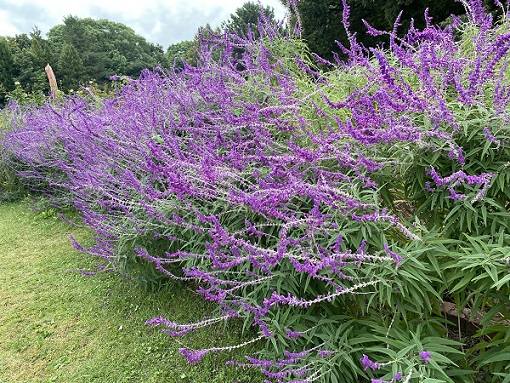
[(79, 50), (6, 70), (70, 67), (30, 54), (104, 47), (247, 17)]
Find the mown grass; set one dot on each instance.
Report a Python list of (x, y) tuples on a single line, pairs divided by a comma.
[(57, 325)]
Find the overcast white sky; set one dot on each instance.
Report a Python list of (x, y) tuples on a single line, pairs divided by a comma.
[(161, 22)]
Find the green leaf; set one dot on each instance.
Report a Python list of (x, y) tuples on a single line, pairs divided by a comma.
[(484, 214), (458, 372), (465, 281), (501, 181), (498, 284), (496, 358), (404, 351)]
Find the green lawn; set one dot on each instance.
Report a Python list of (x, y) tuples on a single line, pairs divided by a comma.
[(57, 325)]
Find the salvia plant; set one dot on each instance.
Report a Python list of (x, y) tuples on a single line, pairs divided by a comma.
[(333, 211)]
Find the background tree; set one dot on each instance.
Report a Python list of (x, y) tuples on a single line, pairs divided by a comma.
[(180, 51), (31, 53), (78, 50), (188, 49), (105, 47), (6, 70), (71, 71), (247, 17)]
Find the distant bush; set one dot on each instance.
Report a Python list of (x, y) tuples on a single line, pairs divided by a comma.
[(332, 212)]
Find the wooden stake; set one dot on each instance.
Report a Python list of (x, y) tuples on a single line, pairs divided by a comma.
[(53, 81)]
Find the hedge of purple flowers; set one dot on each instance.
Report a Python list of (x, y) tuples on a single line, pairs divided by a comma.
[(331, 207)]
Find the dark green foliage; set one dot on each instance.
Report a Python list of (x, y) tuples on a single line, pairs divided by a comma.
[(11, 188), (180, 51), (247, 17), (31, 53), (6, 71), (322, 20), (79, 51), (71, 71), (322, 25)]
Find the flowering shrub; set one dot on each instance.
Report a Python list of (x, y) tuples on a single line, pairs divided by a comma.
[(316, 207)]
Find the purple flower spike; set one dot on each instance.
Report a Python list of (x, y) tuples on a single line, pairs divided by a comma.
[(398, 376), (325, 353), (293, 334), (193, 356), (425, 355), (367, 363)]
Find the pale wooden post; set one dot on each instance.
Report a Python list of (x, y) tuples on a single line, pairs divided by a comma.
[(52, 80)]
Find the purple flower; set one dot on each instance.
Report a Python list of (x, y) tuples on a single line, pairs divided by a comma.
[(371, 30), (425, 355), (367, 363), (293, 334), (490, 137), (456, 196), (398, 376), (325, 353), (193, 356), (397, 257)]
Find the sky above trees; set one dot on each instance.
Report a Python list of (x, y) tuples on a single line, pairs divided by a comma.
[(160, 22)]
